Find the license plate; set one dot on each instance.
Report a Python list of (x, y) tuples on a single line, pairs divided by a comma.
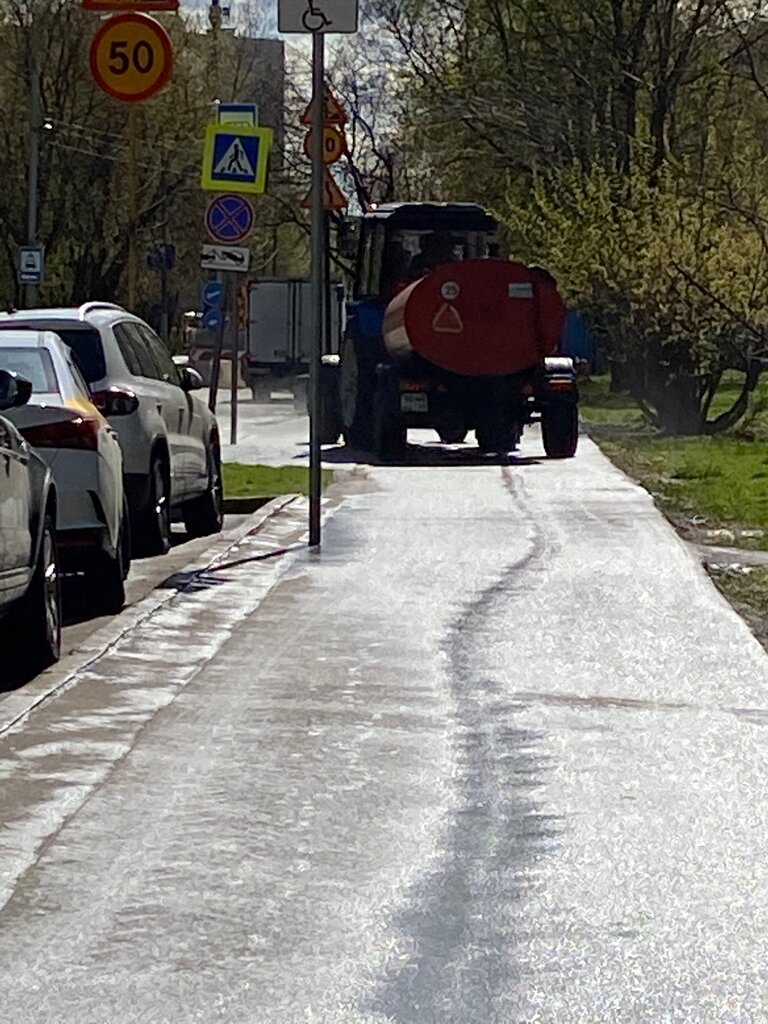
[(414, 402)]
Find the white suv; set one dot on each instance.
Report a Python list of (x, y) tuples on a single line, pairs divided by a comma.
[(170, 441)]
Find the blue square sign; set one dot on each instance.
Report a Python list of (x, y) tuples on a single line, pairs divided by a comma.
[(235, 158)]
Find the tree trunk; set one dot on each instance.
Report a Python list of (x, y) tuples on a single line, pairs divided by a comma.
[(679, 408)]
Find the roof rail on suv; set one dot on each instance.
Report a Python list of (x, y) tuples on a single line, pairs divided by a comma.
[(90, 307)]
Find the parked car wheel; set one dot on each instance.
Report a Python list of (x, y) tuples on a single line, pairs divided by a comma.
[(154, 533), (204, 515), (107, 579), (126, 547), (38, 616)]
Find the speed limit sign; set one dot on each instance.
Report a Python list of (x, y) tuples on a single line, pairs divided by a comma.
[(131, 57)]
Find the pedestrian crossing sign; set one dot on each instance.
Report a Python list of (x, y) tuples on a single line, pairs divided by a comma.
[(235, 158)]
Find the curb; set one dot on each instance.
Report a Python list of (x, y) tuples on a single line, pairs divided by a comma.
[(245, 504), (17, 705)]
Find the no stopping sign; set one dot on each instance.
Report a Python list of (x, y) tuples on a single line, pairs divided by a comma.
[(229, 218)]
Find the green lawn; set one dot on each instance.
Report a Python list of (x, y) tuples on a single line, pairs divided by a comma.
[(598, 406), (265, 481), (703, 483), (723, 479)]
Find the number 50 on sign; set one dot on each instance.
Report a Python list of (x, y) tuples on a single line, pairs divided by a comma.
[(131, 57)]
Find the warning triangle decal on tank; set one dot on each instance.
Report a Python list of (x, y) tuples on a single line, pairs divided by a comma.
[(447, 320)]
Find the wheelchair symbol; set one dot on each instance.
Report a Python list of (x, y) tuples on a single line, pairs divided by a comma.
[(313, 19)]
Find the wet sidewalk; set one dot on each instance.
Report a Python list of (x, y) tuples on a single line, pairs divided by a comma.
[(481, 759)]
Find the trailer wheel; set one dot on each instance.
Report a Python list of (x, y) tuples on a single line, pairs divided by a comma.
[(356, 389), (560, 429), (389, 434), (456, 435), (495, 441)]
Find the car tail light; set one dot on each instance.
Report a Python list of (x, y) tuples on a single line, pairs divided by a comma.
[(115, 401), (79, 432)]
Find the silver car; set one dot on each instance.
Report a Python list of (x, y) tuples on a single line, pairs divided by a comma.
[(81, 448), (30, 593), (170, 440)]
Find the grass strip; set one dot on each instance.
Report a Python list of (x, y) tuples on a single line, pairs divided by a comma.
[(242, 481), (713, 489), (718, 485), (746, 588)]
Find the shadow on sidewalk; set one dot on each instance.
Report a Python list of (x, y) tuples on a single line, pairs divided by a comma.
[(435, 455)]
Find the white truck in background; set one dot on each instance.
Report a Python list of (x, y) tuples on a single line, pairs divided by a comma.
[(278, 336), (274, 332)]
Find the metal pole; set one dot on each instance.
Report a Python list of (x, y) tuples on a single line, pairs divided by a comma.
[(213, 391), (164, 332), (326, 347), (164, 316), (35, 118), (233, 326), (317, 287), (133, 199)]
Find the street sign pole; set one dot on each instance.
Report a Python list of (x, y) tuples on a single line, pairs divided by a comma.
[(213, 392), (317, 285), (133, 253), (232, 296), (35, 118)]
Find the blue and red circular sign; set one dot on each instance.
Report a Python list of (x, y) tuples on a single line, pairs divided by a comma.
[(229, 218)]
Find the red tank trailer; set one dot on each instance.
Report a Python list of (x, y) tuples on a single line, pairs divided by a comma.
[(476, 318)]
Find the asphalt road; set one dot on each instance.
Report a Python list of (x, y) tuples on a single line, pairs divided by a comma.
[(495, 755)]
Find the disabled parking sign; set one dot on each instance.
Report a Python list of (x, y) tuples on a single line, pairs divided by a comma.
[(235, 158)]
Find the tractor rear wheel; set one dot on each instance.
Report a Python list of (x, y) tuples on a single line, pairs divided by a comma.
[(389, 433), (331, 425), (357, 388), (560, 429)]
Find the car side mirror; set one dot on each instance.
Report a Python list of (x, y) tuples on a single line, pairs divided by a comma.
[(190, 379), (14, 390), (347, 235)]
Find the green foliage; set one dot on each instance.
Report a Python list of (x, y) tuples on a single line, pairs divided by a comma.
[(623, 144), (673, 283)]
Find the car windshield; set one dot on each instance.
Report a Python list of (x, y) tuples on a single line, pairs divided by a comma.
[(33, 363), (86, 349)]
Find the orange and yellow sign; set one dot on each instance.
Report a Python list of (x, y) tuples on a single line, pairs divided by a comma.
[(334, 145), (333, 197)]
